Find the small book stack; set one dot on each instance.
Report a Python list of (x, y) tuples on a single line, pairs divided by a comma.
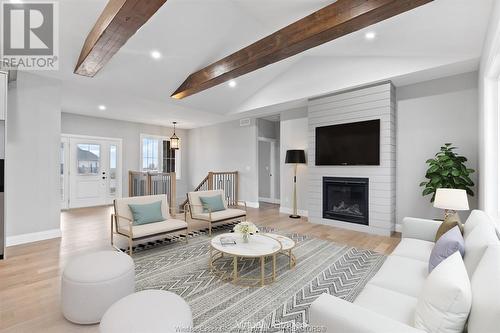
[(225, 241)]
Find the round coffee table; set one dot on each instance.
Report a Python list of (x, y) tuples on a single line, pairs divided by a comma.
[(258, 246), (287, 245)]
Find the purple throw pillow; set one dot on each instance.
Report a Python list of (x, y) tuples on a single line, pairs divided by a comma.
[(451, 242)]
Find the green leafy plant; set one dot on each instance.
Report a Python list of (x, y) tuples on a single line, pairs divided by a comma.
[(447, 170)]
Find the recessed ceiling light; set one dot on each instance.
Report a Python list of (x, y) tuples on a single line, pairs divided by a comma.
[(155, 54), (232, 83), (370, 35), (102, 107)]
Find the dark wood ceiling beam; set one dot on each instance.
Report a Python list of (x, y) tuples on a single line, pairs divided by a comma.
[(331, 22), (119, 21)]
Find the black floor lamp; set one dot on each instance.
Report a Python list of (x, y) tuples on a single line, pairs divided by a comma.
[(295, 157)]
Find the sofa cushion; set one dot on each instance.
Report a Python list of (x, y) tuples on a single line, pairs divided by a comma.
[(449, 243), (397, 306), (403, 275), (475, 218), (122, 208), (154, 228), (146, 213), (414, 249), (476, 243), (485, 311), (446, 298), (221, 215)]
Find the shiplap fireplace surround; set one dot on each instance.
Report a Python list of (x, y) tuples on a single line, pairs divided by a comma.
[(361, 104)]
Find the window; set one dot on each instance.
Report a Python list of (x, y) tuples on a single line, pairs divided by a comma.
[(157, 156), (88, 159), (150, 155), (112, 170)]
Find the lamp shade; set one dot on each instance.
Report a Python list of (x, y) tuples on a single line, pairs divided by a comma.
[(295, 156), (452, 199)]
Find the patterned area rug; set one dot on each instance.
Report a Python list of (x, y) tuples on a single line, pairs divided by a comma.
[(218, 306)]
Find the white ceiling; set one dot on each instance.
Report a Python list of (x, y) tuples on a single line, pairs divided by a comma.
[(444, 37)]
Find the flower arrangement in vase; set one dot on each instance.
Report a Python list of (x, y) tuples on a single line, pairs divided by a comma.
[(246, 228)]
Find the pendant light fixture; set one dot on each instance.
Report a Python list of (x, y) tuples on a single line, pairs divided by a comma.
[(174, 139)]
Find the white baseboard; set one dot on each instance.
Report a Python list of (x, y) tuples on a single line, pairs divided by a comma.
[(252, 204), (287, 210), (399, 227), (33, 237), (270, 200)]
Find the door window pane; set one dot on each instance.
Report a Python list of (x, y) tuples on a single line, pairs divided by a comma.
[(113, 161), (61, 158), (88, 156)]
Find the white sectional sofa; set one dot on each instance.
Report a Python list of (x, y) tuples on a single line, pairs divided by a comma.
[(387, 303)]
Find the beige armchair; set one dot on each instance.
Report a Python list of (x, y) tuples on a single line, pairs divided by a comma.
[(122, 221), (202, 213)]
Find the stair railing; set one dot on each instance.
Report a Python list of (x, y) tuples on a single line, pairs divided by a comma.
[(227, 181), (153, 183)]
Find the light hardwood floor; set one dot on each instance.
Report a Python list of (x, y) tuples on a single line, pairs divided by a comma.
[(30, 276)]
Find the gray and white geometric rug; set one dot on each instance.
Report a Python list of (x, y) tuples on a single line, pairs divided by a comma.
[(218, 306)]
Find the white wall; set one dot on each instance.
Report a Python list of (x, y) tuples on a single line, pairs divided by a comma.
[(293, 135), (430, 114), (225, 147), (130, 134), (32, 159)]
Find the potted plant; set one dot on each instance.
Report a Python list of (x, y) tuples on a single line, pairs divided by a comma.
[(447, 170)]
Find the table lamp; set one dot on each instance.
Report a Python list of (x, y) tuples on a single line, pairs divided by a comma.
[(451, 200), (295, 157)]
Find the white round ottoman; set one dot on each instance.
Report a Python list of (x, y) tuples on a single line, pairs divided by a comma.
[(93, 282), (148, 311)]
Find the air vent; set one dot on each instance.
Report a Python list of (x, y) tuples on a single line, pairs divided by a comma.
[(245, 122)]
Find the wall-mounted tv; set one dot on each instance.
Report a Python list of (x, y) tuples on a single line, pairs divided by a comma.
[(349, 144)]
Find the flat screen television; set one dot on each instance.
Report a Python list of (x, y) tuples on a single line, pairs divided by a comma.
[(349, 144)]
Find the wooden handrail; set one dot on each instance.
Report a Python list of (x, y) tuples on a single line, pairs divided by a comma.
[(203, 182)]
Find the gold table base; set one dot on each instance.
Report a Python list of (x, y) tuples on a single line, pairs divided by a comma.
[(234, 278)]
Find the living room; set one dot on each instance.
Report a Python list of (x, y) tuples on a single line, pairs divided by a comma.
[(344, 163)]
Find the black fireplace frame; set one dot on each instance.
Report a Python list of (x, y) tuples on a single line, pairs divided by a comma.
[(346, 181)]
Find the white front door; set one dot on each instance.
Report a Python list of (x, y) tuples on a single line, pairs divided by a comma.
[(94, 171)]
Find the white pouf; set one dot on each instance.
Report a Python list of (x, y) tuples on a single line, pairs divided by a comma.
[(148, 311), (91, 283)]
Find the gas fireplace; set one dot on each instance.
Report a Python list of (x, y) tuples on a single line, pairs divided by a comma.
[(345, 199)]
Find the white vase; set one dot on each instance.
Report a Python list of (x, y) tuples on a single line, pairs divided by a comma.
[(245, 238)]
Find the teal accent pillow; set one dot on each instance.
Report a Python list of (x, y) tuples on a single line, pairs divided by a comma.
[(147, 213), (215, 203)]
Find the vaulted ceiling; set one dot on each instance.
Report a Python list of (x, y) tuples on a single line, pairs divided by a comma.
[(444, 37)]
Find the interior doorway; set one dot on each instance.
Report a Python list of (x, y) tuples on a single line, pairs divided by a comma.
[(91, 171), (268, 147)]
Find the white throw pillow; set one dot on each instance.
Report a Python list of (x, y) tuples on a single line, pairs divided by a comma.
[(446, 298), (475, 218), (476, 243)]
